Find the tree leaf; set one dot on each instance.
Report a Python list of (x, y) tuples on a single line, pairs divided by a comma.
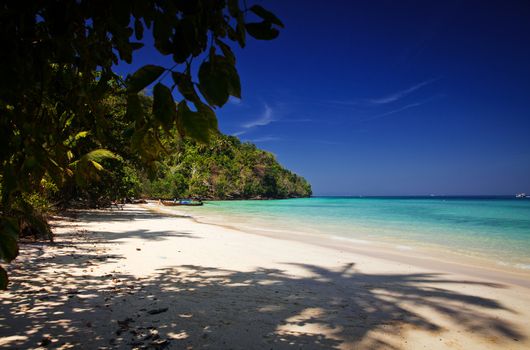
[(72, 140), (96, 165), (143, 77), (266, 15), (234, 83), (218, 79), (262, 30), (241, 33), (164, 109), (81, 135), (185, 86), (88, 165), (98, 155), (196, 125), (137, 46), (212, 84), (138, 29), (227, 51)]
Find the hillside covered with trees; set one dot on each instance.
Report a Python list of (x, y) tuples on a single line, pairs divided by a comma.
[(225, 168), (179, 167)]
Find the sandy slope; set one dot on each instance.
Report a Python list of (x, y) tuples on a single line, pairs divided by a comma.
[(132, 278)]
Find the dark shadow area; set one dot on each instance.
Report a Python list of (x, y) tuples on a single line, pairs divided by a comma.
[(212, 308), (72, 218), (147, 235), (128, 214)]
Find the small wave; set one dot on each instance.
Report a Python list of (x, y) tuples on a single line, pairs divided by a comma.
[(353, 240), (523, 266), (517, 266)]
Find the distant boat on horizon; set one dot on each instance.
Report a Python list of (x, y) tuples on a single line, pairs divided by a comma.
[(521, 195)]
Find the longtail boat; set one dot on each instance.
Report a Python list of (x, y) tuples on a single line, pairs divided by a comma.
[(181, 202)]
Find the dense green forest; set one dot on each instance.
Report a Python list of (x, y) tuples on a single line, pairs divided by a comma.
[(222, 168), (225, 168)]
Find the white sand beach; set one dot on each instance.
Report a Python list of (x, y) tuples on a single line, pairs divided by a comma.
[(134, 278)]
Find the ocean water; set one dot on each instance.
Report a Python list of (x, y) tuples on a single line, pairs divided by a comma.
[(494, 228)]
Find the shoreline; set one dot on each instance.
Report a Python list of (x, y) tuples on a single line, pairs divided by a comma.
[(477, 242), (420, 256), (135, 278)]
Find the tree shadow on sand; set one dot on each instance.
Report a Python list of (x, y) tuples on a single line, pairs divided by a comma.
[(128, 214), (210, 308), (104, 236)]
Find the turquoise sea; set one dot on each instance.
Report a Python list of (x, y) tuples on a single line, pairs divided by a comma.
[(495, 228)]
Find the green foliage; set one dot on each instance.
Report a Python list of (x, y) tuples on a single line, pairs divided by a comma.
[(88, 166), (219, 79), (262, 30), (224, 169), (115, 180), (143, 77), (164, 108), (267, 16), (39, 201), (170, 185), (60, 99), (192, 124)]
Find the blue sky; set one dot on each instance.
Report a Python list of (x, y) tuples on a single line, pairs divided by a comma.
[(390, 97)]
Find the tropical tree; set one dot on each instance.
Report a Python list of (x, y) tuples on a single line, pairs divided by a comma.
[(57, 63)]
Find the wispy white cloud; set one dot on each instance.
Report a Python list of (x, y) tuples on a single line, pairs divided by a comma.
[(268, 116), (394, 111), (404, 108), (294, 120), (239, 133), (264, 139), (364, 102), (264, 119), (399, 94)]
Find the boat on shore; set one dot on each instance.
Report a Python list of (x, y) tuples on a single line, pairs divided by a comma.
[(187, 202)]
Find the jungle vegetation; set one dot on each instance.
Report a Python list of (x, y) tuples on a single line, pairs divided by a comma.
[(225, 168), (222, 168), (58, 134)]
